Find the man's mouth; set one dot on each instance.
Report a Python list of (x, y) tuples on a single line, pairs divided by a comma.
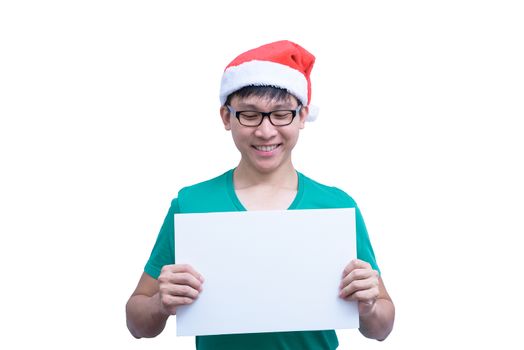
[(266, 148)]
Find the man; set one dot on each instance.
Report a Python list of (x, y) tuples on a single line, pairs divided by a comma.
[(265, 96)]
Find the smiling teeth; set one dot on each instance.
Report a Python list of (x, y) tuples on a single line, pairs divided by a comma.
[(266, 148)]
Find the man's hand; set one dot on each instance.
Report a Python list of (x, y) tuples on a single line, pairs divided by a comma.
[(360, 283), (178, 285)]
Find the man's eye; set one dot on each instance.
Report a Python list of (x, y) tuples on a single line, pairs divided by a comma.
[(281, 115), (249, 115)]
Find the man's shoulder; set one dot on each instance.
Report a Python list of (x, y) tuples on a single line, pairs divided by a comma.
[(208, 185), (326, 193), (206, 196)]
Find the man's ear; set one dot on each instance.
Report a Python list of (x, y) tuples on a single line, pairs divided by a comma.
[(304, 112), (226, 117)]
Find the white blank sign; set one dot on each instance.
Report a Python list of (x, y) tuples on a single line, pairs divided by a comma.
[(267, 271)]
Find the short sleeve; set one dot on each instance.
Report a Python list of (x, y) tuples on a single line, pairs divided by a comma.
[(163, 252), (364, 249)]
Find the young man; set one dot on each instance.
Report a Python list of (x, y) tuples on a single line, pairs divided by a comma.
[(265, 96)]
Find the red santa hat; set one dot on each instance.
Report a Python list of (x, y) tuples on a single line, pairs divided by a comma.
[(282, 64)]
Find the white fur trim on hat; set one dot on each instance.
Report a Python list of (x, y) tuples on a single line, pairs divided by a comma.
[(313, 113), (264, 73)]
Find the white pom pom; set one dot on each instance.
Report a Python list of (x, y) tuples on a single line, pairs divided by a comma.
[(313, 113)]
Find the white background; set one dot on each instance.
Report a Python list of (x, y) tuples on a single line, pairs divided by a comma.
[(108, 107)]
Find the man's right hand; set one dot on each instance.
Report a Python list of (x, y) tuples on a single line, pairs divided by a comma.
[(178, 284)]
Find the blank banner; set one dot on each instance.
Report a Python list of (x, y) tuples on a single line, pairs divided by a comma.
[(267, 271)]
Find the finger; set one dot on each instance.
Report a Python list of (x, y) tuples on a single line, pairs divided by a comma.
[(368, 295), (181, 274), (189, 269), (170, 303), (184, 291), (179, 268), (357, 286), (175, 290), (355, 264), (359, 274), (185, 278), (168, 280)]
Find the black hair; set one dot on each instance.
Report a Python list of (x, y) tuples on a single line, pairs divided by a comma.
[(269, 92)]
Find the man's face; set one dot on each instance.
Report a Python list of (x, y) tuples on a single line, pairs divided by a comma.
[(264, 148)]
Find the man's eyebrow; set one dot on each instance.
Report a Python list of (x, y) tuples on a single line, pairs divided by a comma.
[(251, 107)]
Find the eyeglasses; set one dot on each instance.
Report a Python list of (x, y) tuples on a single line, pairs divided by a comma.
[(254, 118)]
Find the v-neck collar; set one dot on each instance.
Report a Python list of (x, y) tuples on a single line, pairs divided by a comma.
[(234, 198)]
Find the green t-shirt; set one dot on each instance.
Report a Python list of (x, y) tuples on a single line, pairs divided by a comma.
[(218, 195)]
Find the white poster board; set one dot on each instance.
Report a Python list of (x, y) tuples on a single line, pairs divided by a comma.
[(267, 271)]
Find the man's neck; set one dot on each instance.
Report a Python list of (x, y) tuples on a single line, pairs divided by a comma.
[(283, 177)]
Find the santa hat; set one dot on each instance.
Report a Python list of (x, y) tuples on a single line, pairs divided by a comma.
[(281, 64)]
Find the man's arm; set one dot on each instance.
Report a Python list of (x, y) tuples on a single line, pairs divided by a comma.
[(154, 301), (363, 284), (144, 313), (376, 319)]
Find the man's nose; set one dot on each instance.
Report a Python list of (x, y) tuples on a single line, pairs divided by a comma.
[(265, 129)]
